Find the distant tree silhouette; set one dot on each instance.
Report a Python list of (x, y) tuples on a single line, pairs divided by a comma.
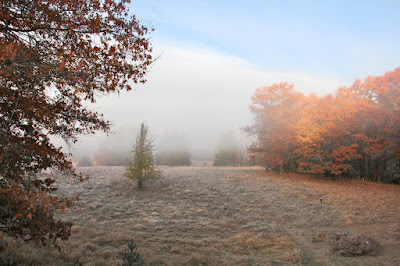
[(228, 152), (173, 150), (84, 161)]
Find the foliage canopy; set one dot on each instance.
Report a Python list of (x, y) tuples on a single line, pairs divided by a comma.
[(354, 133), (55, 56)]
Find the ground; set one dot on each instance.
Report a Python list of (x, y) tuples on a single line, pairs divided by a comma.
[(222, 216)]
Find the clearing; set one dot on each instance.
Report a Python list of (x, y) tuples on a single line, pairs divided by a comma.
[(222, 216)]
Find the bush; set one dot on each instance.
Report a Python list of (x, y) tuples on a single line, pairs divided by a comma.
[(354, 245), (9, 258), (131, 257)]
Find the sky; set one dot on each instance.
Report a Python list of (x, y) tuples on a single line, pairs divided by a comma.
[(212, 55)]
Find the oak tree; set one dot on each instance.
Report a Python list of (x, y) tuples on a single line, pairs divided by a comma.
[(55, 57), (276, 112), (353, 133)]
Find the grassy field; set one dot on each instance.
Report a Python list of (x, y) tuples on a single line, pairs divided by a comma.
[(223, 216)]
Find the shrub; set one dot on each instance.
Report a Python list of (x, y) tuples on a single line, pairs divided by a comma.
[(354, 245), (131, 257)]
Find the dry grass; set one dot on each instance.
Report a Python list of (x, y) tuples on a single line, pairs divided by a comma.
[(222, 216)]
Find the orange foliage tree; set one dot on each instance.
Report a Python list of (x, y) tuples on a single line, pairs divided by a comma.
[(354, 133), (55, 56), (276, 111)]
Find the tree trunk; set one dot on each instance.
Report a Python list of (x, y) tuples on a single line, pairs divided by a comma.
[(281, 169), (139, 184), (367, 177)]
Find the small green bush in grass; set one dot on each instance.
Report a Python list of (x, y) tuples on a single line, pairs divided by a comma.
[(131, 256)]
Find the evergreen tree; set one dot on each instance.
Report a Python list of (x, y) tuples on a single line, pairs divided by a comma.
[(228, 152), (141, 166)]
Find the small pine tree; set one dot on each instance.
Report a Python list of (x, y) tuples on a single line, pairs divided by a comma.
[(132, 256), (142, 166)]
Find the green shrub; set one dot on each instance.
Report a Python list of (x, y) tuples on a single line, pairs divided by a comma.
[(131, 256)]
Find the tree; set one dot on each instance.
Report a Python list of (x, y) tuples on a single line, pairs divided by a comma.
[(228, 152), (354, 133), (84, 161), (55, 57), (141, 166), (228, 156), (276, 110), (173, 150)]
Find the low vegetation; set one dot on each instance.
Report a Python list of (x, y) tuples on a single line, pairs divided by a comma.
[(225, 216), (131, 256)]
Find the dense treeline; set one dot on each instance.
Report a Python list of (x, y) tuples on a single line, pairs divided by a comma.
[(354, 133)]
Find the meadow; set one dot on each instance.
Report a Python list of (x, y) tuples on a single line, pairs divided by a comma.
[(225, 216)]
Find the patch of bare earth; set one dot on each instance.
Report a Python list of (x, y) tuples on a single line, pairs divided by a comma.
[(224, 216)]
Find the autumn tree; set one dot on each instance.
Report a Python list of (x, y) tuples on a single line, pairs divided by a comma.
[(353, 133), (310, 130), (56, 56), (141, 166), (275, 109), (378, 138)]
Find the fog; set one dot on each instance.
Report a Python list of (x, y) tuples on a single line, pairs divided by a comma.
[(198, 94)]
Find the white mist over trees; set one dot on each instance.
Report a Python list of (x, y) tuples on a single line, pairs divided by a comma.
[(173, 150), (229, 151)]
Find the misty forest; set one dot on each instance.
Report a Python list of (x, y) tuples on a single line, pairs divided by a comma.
[(296, 177)]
